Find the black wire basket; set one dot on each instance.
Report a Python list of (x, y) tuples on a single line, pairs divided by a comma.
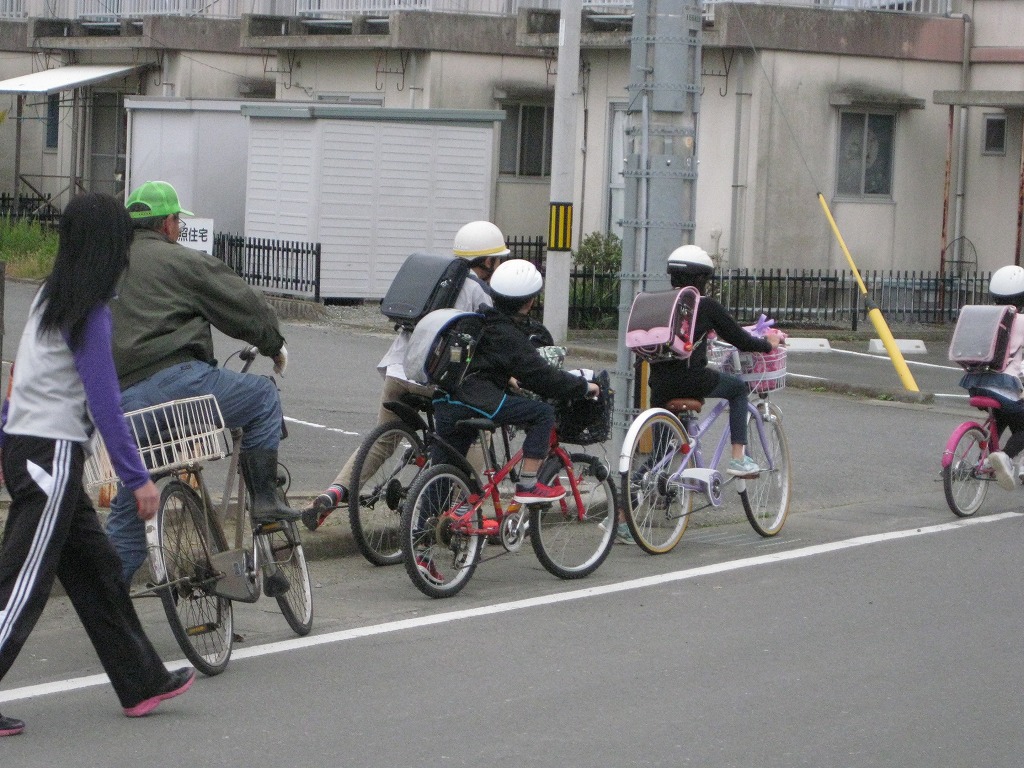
[(586, 422)]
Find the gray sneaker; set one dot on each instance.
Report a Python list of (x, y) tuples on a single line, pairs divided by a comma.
[(623, 535), (745, 467), (1003, 470)]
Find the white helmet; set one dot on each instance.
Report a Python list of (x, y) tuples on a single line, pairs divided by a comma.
[(690, 260), (1007, 282), (479, 239), (516, 279)]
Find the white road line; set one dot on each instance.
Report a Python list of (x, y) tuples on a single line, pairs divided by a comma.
[(319, 426), (61, 686), (908, 360)]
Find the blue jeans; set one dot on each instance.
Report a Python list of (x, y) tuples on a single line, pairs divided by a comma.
[(536, 417), (247, 402), (733, 389)]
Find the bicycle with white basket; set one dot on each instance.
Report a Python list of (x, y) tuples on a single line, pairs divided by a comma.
[(195, 571), (663, 464)]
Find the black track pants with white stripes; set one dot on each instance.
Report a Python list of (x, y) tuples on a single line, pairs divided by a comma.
[(52, 531)]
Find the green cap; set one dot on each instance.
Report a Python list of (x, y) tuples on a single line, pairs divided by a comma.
[(159, 198)]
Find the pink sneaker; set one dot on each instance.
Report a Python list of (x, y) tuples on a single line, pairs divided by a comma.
[(539, 493), (181, 680)]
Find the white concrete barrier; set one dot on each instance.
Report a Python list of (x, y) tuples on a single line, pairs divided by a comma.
[(906, 346), (798, 344)]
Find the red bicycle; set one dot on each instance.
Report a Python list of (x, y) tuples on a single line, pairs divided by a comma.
[(450, 515)]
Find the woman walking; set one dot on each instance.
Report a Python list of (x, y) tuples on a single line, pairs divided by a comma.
[(64, 386)]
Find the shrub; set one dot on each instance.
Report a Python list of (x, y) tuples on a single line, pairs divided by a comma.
[(28, 248), (599, 251)]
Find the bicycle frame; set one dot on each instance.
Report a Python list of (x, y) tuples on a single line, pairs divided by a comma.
[(464, 522), (703, 476), (989, 428)]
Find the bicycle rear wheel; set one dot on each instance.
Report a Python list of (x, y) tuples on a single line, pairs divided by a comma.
[(571, 543), (384, 469), (964, 480), (766, 498), (657, 509), (439, 559), (200, 620), (284, 547)]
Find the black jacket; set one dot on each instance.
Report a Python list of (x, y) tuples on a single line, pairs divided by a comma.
[(692, 377), (505, 350)]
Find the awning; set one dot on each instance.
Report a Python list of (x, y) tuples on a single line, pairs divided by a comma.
[(66, 78), (992, 99)]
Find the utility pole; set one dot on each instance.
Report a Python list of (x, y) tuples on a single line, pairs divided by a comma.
[(563, 172), (661, 164)]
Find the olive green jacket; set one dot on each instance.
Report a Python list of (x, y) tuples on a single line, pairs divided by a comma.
[(166, 302)]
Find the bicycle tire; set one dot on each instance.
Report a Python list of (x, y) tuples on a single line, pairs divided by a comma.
[(201, 622), (657, 511), (570, 545), (963, 480), (285, 547), (439, 560), (766, 497), (375, 502)]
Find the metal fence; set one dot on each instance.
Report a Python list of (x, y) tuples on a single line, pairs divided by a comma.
[(276, 266), (833, 298), (31, 207), (813, 298)]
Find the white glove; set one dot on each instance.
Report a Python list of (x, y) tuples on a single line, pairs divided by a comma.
[(281, 361)]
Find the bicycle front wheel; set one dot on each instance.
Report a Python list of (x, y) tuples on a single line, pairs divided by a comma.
[(963, 479), (438, 557), (200, 620), (572, 537), (384, 469), (657, 505), (284, 547), (766, 498)]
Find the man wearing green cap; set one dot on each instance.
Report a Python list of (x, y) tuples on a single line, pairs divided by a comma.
[(167, 301)]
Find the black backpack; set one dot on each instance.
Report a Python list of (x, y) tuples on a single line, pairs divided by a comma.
[(424, 282)]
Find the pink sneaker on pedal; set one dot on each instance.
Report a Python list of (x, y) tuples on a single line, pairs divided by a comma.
[(539, 494)]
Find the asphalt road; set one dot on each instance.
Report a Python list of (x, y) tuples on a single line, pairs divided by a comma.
[(875, 630)]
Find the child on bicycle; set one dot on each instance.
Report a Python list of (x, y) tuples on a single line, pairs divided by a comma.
[(691, 378), (1006, 288), (506, 358)]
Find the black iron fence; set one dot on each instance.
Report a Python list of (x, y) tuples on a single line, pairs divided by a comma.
[(31, 207), (815, 298), (834, 298), (276, 266)]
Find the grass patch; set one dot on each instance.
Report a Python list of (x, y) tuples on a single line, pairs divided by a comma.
[(28, 248)]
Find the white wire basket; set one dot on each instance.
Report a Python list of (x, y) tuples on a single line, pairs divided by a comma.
[(170, 436), (762, 371)]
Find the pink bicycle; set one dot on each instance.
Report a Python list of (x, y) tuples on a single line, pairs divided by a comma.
[(965, 469)]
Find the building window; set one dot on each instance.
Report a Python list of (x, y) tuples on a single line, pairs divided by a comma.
[(864, 168), (526, 140), (52, 120), (995, 135)]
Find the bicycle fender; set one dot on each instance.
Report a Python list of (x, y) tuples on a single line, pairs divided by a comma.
[(407, 414), (631, 435), (947, 455)]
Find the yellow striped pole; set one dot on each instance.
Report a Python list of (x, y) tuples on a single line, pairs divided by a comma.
[(874, 313)]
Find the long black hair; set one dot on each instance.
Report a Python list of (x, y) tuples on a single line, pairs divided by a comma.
[(95, 234)]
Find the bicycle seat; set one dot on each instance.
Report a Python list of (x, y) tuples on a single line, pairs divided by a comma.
[(684, 405), (984, 403), (478, 423)]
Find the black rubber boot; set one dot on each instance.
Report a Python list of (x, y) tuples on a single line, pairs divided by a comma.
[(259, 468)]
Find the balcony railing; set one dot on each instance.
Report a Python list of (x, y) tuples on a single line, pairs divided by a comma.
[(113, 10)]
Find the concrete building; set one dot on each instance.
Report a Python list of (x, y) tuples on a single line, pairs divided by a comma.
[(905, 116)]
